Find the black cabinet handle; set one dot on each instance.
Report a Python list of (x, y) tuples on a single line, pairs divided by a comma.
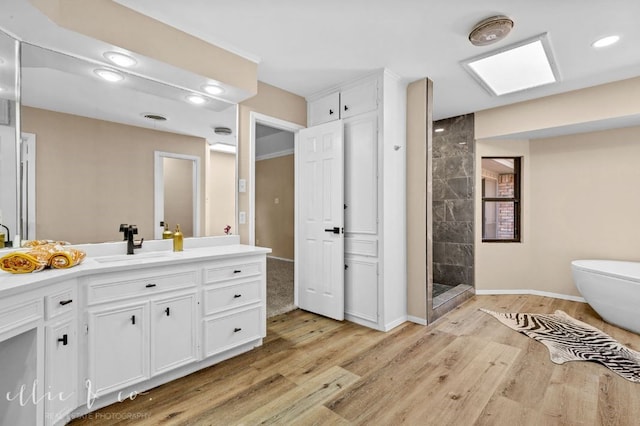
[(63, 339), (133, 319), (65, 302), (236, 271), (167, 311), (150, 285), (235, 330), (330, 112), (346, 108), (235, 296)]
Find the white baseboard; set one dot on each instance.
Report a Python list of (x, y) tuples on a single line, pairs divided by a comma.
[(533, 292), (280, 258), (417, 320)]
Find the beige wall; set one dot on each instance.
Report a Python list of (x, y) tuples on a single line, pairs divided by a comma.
[(269, 101), (275, 221), (108, 21), (419, 235), (613, 100), (579, 202), (93, 175), (221, 193)]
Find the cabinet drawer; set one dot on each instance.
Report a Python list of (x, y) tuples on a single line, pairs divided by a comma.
[(61, 302), (18, 314), (225, 271), (220, 298), (223, 333), (109, 287)]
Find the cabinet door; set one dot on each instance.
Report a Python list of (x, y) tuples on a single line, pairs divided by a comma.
[(118, 347), (173, 332), (361, 174), (60, 369), (361, 289), (324, 109), (359, 99)]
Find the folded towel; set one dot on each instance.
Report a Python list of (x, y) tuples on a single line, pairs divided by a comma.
[(53, 255)]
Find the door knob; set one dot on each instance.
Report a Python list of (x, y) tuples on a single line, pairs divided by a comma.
[(334, 230)]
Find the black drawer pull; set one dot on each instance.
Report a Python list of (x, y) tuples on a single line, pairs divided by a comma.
[(65, 302), (346, 108), (63, 339), (235, 296), (330, 112), (235, 330), (150, 285), (166, 311), (133, 319), (236, 271)]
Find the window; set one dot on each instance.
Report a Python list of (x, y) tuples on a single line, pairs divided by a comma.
[(501, 199)]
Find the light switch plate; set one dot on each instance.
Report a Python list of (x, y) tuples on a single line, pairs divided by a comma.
[(242, 185), (242, 218)]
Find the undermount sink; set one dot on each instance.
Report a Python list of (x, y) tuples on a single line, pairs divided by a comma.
[(129, 257)]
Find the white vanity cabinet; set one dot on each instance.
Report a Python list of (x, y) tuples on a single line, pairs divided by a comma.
[(373, 109), (139, 324), (61, 351), (234, 311)]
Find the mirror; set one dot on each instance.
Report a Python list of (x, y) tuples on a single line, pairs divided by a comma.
[(8, 133), (95, 142)]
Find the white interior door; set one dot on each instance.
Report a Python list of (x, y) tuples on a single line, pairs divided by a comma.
[(320, 204)]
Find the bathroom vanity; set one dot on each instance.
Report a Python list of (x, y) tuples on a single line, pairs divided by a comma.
[(75, 340)]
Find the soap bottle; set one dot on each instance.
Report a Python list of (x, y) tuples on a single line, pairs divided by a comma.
[(177, 239), (167, 235)]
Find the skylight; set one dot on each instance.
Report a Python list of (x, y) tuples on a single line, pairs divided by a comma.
[(515, 68)]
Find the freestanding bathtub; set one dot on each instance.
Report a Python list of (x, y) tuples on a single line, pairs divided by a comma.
[(612, 288)]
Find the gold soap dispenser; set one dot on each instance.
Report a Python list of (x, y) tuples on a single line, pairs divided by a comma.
[(177, 239), (166, 235)]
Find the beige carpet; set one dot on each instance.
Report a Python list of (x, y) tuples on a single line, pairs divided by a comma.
[(279, 287)]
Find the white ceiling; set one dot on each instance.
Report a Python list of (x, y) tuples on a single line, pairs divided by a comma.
[(306, 46)]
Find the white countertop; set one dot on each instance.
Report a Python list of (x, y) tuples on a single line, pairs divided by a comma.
[(100, 259)]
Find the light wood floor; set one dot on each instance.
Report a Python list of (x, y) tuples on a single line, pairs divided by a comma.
[(466, 369)]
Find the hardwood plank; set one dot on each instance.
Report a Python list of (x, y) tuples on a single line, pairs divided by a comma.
[(288, 407), (466, 368)]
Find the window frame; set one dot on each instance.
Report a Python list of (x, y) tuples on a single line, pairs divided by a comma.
[(516, 200)]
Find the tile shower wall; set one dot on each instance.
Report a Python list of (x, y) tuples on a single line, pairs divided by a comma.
[(453, 204)]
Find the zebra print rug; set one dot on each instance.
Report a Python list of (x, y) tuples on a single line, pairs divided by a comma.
[(571, 340)]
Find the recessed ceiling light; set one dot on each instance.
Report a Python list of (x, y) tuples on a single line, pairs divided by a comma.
[(213, 89), (109, 75), (195, 99), (514, 68), (605, 41), (223, 147), (120, 59), (439, 130)]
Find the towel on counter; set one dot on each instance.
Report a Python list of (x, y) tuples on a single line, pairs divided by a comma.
[(39, 256)]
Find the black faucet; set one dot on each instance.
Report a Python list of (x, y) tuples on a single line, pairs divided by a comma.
[(129, 232)]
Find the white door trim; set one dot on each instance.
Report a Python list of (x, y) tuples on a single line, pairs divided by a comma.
[(257, 118), (159, 191)]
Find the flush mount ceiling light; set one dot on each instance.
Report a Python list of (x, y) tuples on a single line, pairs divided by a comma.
[(490, 30), (109, 75), (120, 59), (213, 89), (196, 100), (223, 147), (517, 67), (605, 41)]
